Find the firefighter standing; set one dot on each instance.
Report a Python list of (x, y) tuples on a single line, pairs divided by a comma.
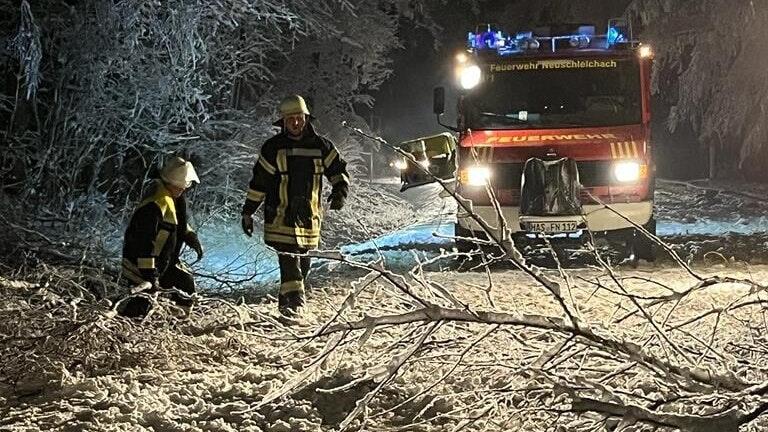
[(287, 178), (155, 235)]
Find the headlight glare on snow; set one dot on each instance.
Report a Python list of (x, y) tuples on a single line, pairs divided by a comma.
[(628, 171), (475, 176)]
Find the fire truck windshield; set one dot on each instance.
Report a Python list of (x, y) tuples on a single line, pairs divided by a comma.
[(556, 93)]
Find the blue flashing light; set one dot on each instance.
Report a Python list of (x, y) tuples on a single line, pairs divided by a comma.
[(587, 30), (502, 43), (615, 36), (487, 40), (524, 35)]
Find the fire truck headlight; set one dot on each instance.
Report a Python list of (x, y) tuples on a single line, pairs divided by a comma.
[(475, 176), (645, 51), (627, 172), (470, 76), (400, 164)]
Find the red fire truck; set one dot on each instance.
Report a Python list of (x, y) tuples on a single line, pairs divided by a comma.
[(556, 122)]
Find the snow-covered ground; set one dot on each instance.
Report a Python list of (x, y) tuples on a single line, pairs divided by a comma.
[(230, 366), (700, 209), (233, 368)]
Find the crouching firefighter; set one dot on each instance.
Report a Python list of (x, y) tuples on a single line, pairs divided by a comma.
[(288, 179), (156, 232)]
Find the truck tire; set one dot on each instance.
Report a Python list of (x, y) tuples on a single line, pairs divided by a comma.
[(642, 246), (461, 244)]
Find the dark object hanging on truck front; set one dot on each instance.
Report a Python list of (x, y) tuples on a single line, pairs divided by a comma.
[(550, 188)]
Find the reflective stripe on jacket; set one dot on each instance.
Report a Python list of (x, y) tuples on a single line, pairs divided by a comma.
[(154, 235), (288, 179)]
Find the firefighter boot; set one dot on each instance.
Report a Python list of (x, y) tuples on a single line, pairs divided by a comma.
[(135, 307), (290, 304)]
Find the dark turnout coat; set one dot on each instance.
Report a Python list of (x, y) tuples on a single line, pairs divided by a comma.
[(155, 235), (288, 179)]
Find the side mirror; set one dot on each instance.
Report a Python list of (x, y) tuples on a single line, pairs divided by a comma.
[(436, 154), (438, 101)]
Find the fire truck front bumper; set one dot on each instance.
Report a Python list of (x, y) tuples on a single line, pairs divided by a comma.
[(597, 218)]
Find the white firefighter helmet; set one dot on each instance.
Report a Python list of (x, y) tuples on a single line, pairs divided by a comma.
[(292, 105), (179, 172)]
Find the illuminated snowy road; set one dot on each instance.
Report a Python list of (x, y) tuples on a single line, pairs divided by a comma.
[(695, 220)]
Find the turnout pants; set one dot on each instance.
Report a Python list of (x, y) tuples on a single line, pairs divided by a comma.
[(293, 273), (177, 276)]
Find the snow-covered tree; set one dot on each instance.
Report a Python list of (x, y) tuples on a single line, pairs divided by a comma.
[(711, 71), (124, 84)]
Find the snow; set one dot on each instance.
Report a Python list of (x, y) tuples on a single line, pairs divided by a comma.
[(684, 213), (229, 251), (704, 226), (222, 380), (233, 367), (692, 209)]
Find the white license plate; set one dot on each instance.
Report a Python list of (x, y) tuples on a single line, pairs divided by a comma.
[(553, 227)]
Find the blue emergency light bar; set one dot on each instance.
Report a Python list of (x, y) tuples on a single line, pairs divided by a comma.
[(493, 39)]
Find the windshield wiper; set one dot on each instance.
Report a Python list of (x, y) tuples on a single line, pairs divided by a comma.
[(505, 116), (562, 124)]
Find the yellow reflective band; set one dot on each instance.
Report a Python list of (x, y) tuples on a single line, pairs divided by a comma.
[(159, 242), (291, 286), (255, 195), (164, 202), (282, 160), (294, 231), (319, 168), (316, 187), (266, 165), (307, 242), (145, 263), (339, 178), (330, 158), (169, 215), (282, 205), (308, 152)]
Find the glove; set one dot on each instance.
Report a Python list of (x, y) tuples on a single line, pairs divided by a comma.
[(193, 241), (336, 200), (247, 223)]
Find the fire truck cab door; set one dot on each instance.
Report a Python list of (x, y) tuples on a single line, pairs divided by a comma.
[(435, 154)]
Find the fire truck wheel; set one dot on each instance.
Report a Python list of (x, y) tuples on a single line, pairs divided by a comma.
[(642, 246), (462, 235)]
